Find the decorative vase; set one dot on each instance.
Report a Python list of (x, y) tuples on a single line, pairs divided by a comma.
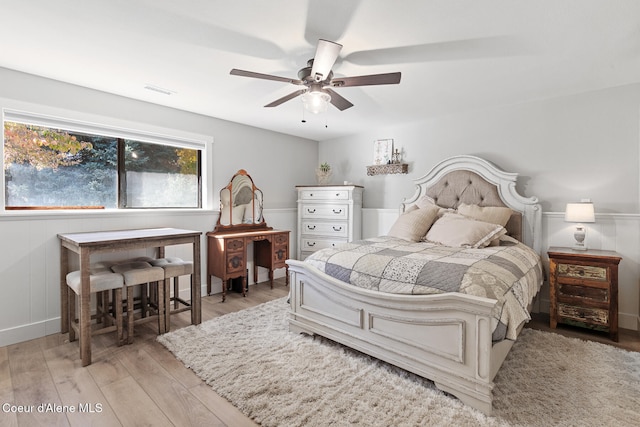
[(323, 177)]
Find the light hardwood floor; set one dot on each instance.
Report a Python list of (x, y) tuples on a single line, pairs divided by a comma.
[(142, 383), (133, 385)]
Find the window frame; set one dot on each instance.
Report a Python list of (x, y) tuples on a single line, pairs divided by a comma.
[(131, 131)]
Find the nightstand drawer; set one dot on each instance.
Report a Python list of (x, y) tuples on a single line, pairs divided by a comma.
[(584, 314), (587, 294), (324, 194), (587, 272)]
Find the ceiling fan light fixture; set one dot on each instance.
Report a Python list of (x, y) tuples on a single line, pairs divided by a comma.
[(316, 102)]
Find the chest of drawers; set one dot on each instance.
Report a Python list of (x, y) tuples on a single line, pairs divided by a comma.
[(327, 216), (583, 289)]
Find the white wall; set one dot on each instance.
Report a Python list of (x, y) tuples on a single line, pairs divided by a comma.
[(565, 149), (29, 249)]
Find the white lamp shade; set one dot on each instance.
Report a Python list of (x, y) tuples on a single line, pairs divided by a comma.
[(579, 212)]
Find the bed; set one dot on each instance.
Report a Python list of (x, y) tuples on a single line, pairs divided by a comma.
[(447, 337)]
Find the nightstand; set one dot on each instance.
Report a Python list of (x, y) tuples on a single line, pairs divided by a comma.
[(583, 289)]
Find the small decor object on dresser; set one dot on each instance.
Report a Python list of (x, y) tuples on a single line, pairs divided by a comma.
[(583, 289), (323, 174)]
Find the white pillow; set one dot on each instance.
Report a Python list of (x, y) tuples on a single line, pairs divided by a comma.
[(492, 214), (459, 231), (413, 224), (426, 201)]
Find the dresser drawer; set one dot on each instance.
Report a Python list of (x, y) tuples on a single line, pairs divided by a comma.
[(280, 255), (587, 272), (328, 211), (235, 262), (336, 229), (312, 245), (234, 244), (281, 239), (584, 314), (324, 195)]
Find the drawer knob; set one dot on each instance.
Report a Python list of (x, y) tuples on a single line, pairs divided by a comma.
[(337, 228), (339, 211), (311, 244), (311, 227), (311, 210), (337, 194)]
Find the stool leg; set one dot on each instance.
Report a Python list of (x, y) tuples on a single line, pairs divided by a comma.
[(162, 307), (176, 293), (129, 314), (99, 307), (71, 297), (117, 307), (144, 302)]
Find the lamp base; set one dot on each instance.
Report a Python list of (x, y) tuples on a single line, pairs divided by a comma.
[(579, 235)]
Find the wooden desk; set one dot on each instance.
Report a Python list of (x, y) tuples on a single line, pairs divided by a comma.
[(227, 255), (87, 244)]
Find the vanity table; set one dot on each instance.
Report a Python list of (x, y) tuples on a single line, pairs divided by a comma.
[(241, 223), (228, 255)]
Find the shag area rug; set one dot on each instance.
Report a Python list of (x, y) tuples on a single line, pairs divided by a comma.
[(279, 378)]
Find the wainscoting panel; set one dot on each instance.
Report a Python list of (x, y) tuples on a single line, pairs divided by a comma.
[(30, 254), (617, 232)]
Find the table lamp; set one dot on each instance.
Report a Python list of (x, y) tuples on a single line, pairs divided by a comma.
[(580, 213)]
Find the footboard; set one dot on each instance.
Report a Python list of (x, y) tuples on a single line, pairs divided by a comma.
[(445, 338)]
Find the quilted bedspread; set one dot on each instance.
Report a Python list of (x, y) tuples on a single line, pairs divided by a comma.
[(510, 273)]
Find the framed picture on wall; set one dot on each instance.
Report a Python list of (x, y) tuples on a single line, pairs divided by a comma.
[(382, 151)]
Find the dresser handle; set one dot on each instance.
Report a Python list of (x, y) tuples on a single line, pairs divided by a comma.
[(339, 211), (311, 227), (337, 194), (337, 228), (311, 210), (310, 194), (311, 244)]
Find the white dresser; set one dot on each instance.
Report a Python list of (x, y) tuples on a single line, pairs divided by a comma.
[(328, 215)]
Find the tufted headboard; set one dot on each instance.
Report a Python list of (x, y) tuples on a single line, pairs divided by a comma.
[(472, 180)]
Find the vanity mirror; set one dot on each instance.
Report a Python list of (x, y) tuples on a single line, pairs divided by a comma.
[(241, 205)]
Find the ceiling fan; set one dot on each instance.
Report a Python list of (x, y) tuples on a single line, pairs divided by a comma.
[(318, 80)]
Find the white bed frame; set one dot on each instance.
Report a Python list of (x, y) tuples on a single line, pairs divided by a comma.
[(445, 338)]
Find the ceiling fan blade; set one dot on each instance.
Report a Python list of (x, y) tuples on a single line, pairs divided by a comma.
[(243, 73), (338, 101), (286, 98), (484, 47), (328, 19), (370, 80), (326, 55)]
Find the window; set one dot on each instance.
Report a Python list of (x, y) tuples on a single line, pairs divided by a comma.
[(52, 163)]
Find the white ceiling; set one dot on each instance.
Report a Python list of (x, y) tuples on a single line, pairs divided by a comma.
[(454, 55)]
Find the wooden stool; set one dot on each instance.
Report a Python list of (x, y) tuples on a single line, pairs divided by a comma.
[(101, 281), (137, 273), (174, 268)]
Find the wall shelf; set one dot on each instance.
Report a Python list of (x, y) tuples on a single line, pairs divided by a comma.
[(387, 169)]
